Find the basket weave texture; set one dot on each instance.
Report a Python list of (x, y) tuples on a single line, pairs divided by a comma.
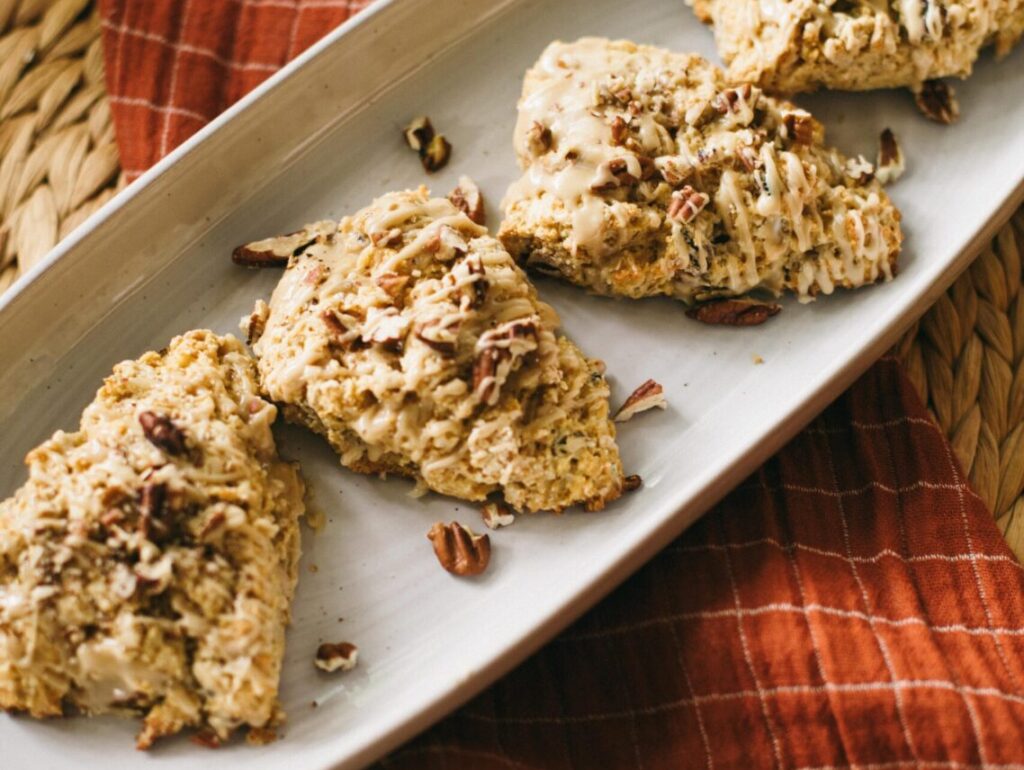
[(59, 163), (58, 158)]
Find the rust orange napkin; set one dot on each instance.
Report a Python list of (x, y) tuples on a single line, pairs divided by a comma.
[(851, 605)]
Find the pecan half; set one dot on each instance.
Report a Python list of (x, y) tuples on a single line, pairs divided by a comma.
[(339, 656), (936, 100), (163, 433), (468, 199), (649, 395), (459, 550), (418, 133), (496, 515), (891, 165), (734, 312), (686, 204)]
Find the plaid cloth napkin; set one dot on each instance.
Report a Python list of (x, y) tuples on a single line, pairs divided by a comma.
[(851, 605)]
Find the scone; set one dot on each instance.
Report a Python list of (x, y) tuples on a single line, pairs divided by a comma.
[(148, 564), (408, 337), (647, 173), (800, 45)]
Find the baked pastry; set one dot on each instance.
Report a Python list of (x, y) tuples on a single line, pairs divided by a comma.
[(408, 337), (148, 564), (647, 173), (800, 45)]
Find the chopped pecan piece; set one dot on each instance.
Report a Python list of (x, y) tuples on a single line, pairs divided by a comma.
[(419, 133), (620, 130), (468, 199), (632, 483), (392, 283), (440, 338), (891, 165), (275, 252), (496, 350), (649, 395), (539, 138), (729, 99), (799, 126), (497, 514), (734, 312), (937, 101), (686, 204), (387, 238), (459, 550), (155, 520), (163, 433), (436, 155), (613, 173), (340, 656)]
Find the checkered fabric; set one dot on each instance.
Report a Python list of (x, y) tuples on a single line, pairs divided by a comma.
[(851, 605)]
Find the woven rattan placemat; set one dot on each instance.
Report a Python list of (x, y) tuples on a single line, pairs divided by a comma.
[(59, 163)]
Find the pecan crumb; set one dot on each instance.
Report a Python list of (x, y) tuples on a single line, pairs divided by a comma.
[(937, 101), (468, 199), (340, 656), (729, 99), (497, 514), (459, 550), (648, 396), (207, 739), (632, 483), (162, 433), (734, 312), (433, 149), (891, 164)]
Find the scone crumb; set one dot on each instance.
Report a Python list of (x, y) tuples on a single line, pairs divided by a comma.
[(758, 359), (649, 395), (340, 656), (496, 514)]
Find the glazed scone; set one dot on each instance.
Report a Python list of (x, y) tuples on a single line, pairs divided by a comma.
[(646, 173), (147, 566), (790, 46), (408, 337)]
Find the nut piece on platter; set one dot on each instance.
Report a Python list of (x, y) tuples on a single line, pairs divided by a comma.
[(151, 557), (460, 550), (340, 656), (410, 339), (859, 45), (651, 174)]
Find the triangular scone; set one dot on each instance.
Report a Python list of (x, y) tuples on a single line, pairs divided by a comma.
[(647, 174), (410, 339), (790, 46), (147, 566)]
